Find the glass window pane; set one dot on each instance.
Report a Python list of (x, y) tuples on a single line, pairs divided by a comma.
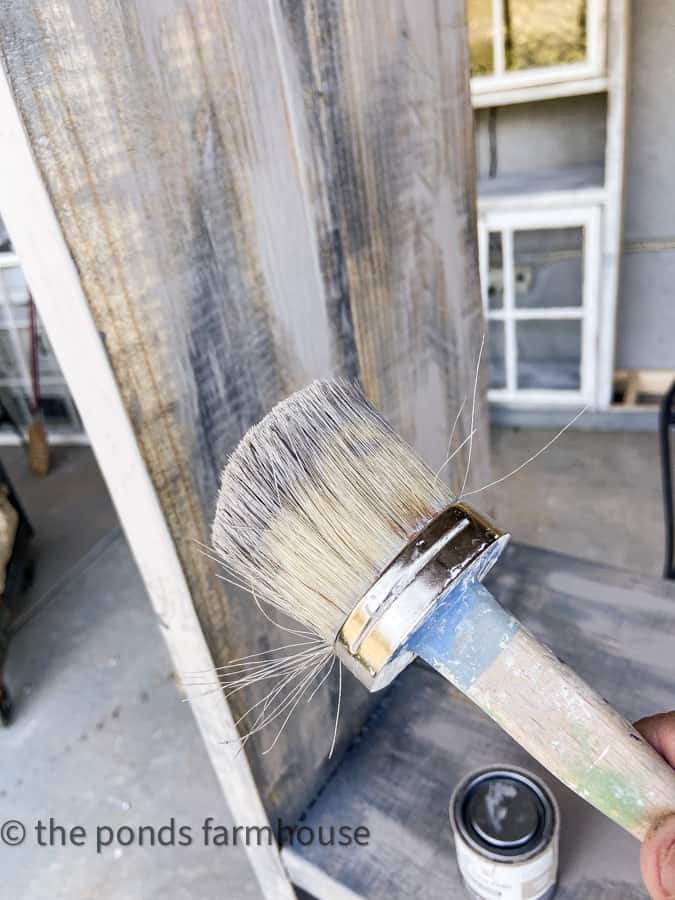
[(479, 17), (9, 364), (5, 243), (17, 403), (14, 285), (544, 33), (548, 267), (46, 359), (47, 364), (495, 288), (549, 354), (56, 410), (496, 368)]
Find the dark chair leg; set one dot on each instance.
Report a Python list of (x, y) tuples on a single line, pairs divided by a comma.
[(6, 418), (5, 705)]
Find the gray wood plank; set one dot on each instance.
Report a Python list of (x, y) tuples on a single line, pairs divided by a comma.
[(616, 628), (256, 194)]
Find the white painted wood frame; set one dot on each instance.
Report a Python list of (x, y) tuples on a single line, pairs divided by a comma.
[(612, 228), (54, 281), (607, 197), (506, 223), (543, 82)]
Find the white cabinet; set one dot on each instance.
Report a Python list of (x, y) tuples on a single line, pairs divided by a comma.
[(550, 238)]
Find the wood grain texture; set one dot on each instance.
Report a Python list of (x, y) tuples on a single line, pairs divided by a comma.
[(65, 311), (256, 194), (613, 627), (576, 735), (389, 151)]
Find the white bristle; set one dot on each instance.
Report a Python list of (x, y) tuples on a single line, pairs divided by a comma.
[(317, 500)]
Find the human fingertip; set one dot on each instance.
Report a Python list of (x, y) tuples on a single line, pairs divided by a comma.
[(657, 860)]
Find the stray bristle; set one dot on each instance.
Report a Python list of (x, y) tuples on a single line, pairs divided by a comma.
[(317, 500)]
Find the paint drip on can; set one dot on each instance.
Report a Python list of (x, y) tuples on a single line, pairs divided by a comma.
[(506, 824)]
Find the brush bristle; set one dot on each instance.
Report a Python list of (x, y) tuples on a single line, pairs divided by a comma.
[(317, 500)]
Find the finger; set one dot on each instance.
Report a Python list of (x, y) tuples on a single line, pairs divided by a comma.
[(660, 732), (657, 861)]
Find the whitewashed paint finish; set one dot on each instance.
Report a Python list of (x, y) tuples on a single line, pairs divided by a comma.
[(55, 282), (247, 209)]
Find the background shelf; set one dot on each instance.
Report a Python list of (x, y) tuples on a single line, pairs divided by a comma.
[(587, 180)]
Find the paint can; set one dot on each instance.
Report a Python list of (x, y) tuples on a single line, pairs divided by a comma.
[(506, 824)]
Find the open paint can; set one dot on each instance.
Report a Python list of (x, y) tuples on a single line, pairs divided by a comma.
[(506, 823)]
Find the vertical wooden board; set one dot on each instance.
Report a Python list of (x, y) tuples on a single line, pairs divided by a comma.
[(55, 280), (257, 194), (179, 198), (387, 140)]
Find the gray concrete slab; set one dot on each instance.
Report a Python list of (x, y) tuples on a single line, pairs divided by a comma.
[(69, 509), (101, 737), (596, 495)]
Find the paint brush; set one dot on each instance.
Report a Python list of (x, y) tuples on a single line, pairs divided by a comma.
[(330, 516)]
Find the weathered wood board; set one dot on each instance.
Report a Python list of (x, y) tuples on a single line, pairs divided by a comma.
[(613, 627), (256, 194)]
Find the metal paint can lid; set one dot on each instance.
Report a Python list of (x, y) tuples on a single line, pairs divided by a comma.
[(505, 822)]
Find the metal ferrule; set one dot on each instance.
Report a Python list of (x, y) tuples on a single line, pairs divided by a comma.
[(458, 544)]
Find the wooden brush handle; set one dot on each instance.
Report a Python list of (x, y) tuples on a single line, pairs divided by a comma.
[(576, 734), (552, 713)]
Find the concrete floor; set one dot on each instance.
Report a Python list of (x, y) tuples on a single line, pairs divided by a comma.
[(70, 510), (100, 735), (592, 494)]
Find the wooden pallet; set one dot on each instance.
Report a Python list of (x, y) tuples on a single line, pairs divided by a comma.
[(641, 387)]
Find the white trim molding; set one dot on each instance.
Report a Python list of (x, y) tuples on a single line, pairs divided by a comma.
[(506, 222), (612, 234)]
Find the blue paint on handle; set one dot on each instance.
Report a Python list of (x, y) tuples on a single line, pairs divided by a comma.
[(465, 634)]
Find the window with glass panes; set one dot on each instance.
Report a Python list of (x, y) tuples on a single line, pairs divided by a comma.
[(539, 280), (516, 43)]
